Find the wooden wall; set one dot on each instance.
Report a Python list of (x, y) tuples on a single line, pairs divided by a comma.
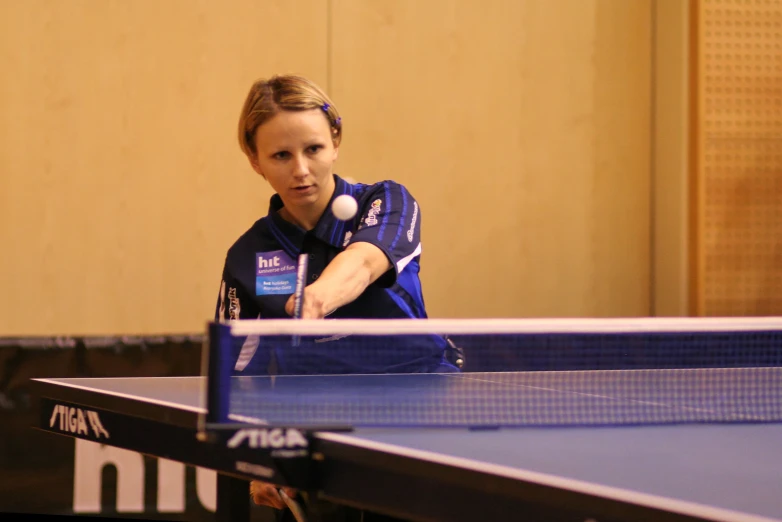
[(524, 128), (737, 158)]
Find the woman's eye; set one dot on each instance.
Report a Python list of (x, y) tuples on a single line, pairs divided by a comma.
[(281, 155), (315, 148)]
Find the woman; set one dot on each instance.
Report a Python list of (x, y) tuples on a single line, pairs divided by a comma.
[(365, 267)]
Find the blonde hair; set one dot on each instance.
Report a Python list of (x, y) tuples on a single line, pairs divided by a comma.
[(267, 97)]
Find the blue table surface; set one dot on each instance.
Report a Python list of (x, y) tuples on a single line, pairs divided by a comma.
[(729, 466), (732, 466)]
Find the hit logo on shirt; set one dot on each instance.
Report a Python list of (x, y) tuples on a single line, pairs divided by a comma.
[(275, 273)]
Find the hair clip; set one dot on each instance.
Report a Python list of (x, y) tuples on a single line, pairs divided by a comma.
[(325, 107), (339, 120)]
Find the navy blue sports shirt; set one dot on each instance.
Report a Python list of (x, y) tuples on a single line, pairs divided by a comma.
[(259, 276)]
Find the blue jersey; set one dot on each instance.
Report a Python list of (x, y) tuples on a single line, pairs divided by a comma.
[(259, 277)]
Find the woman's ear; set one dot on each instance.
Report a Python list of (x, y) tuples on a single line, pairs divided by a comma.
[(256, 167)]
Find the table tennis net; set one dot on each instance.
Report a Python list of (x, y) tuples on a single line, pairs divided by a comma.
[(488, 373)]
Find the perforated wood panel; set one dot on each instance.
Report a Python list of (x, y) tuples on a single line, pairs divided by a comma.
[(739, 152)]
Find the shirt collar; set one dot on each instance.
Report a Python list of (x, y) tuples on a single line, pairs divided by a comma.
[(328, 228)]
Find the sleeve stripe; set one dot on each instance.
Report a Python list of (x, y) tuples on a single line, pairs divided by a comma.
[(387, 203), (402, 263), (402, 219), (249, 347)]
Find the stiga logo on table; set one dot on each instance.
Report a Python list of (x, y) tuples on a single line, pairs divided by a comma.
[(275, 438), (77, 421)]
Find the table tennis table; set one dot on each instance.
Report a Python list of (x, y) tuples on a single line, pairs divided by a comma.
[(579, 421), (730, 472)]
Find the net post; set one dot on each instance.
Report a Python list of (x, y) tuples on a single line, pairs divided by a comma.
[(218, 374)]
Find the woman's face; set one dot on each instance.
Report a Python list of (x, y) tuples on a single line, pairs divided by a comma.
[(296, 154)]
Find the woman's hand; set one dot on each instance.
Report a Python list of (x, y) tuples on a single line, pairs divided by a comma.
[(265, 494), (343, 280)]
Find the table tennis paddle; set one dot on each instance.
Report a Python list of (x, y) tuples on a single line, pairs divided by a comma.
[(298, 295), (298, 298)]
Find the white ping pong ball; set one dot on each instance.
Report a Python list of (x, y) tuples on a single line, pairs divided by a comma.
[(344, 207)]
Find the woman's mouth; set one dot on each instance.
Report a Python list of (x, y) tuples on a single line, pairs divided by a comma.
[(304, 189)]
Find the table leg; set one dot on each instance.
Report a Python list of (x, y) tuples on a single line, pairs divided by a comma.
[(233, 499)]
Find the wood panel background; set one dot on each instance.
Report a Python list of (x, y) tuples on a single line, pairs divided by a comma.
[(523, 127), (672, 245), (737, 262)]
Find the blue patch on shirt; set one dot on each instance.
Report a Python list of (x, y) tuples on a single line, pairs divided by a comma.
[(275, 273)]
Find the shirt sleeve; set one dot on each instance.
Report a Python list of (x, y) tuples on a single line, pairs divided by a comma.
[(233, 302), (390, 220)]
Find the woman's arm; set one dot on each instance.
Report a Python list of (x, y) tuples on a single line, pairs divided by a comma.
[(343, 280)]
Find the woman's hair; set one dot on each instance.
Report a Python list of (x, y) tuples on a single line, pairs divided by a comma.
[(283, 93)]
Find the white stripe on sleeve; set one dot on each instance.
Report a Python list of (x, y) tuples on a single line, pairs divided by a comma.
[(402, 263)]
